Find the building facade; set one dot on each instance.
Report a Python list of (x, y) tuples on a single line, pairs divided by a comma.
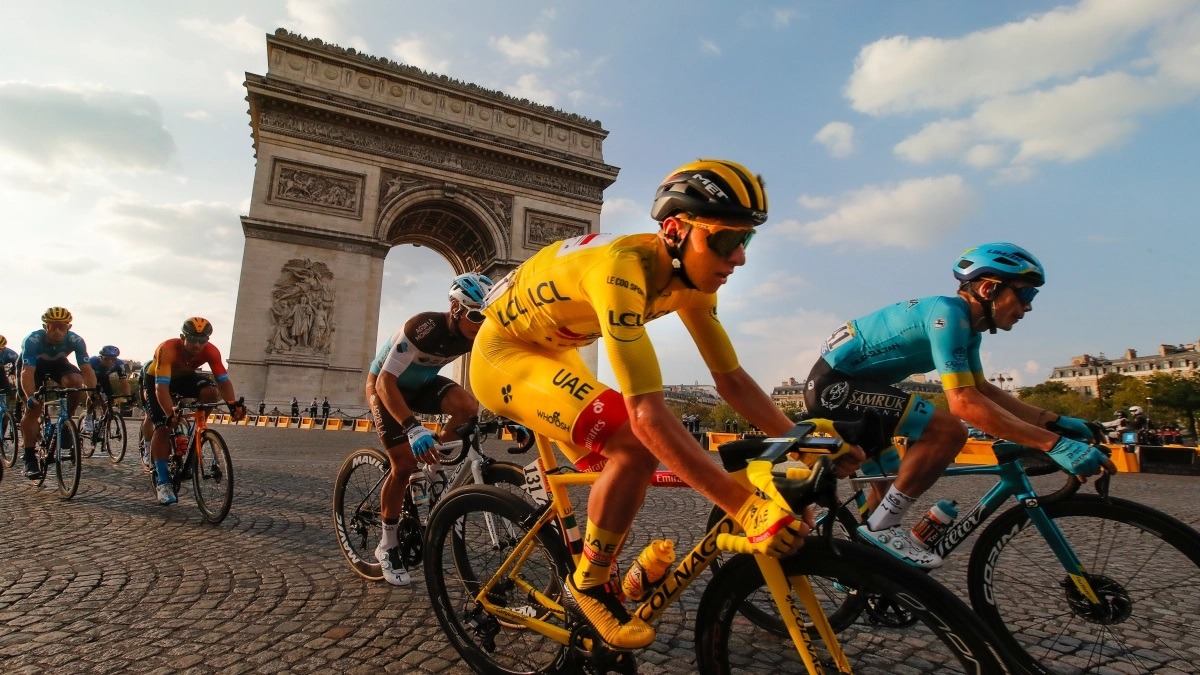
[(1085, 371)]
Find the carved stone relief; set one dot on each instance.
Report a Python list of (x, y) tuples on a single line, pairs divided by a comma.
[(316, 189), (302, 309), (334, 134), (546, 228)]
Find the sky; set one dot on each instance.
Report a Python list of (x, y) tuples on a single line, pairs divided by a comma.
[(892, 135)]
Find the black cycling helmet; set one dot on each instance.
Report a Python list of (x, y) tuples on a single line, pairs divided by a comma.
[(197, 327), (715, 188)]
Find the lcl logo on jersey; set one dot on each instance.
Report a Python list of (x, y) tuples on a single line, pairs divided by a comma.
[(627, 319)]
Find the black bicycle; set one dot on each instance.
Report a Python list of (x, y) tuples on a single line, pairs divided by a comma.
[(105, 432), (10, 442), (357, 522)]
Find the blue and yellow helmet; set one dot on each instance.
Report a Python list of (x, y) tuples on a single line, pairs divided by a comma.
[(1001, 261)]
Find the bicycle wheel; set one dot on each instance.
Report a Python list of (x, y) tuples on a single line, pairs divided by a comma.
[(116, 437), (64, 448), (9, 442), (212, 477), (945, 638), (1144, 565), (90, 440), (842, 604), (356, 517), (470, 534)]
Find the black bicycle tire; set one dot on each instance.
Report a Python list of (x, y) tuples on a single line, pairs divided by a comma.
[(68, 485), (981, 571), (950, 620), (90, 441), (115, 455), (443, 521), (214, 516), (365, 566), (12, 440), (848, 610)]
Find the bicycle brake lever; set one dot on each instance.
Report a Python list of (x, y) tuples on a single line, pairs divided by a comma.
[(1102, 483)]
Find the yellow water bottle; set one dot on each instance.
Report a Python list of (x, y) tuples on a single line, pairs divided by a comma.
[(650, 568)]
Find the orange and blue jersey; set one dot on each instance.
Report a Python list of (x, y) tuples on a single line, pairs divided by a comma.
[(170, 356)]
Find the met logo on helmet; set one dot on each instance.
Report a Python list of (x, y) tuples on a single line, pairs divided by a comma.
[(710, 187)]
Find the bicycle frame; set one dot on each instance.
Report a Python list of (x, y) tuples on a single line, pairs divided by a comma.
[(1012, 483), (545, 476)]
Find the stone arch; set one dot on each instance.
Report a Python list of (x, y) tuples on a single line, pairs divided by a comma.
[(356, 154)]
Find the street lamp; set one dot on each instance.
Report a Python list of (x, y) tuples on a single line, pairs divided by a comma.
[(1002, 380)]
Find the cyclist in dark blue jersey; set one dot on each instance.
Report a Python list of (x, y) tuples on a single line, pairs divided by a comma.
[(44, 355), (404, 380), (108, 368), (863, 360), (8, 367)]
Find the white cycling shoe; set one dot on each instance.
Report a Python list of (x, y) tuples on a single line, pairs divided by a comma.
[(166, 494), (392, 567), (897, 541)]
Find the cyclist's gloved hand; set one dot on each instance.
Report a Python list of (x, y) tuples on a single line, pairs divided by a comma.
[(770, 528), (31, 401), (1079, 458), (420, 439), (237, 410), (1073, 428)]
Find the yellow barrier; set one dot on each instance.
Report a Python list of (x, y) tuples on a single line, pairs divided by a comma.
[(716, 438), (262, 421), (435, 427), (212, 418), (306, 422), (244, 421), (362, 425), (980, 452), (282, 421), (333, 424), (1127, 462), (226, 419)]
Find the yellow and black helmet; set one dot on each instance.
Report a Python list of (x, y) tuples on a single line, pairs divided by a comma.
[(715, 188), (56, 314), (197, 327)]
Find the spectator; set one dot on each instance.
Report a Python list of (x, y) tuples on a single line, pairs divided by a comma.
[(312, 408), (325, 408), (295, 407), (262, 405)]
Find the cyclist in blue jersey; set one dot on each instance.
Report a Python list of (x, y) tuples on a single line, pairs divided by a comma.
[(404, 380), (8, 363), (44, 355), (107, 368), (862, 360)]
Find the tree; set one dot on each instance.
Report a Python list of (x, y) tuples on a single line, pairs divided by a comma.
[(1108, 385), (722, 412), (1178, 394), (1058, 397)]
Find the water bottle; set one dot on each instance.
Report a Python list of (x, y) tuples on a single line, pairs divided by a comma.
[(934, 524), (181, 445), (649, 569)]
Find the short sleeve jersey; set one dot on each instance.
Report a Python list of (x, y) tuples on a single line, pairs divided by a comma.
[(102, 373), (416, 352), (576, 291), (36, 349), (8, 357), (907, 338), (170, 356)]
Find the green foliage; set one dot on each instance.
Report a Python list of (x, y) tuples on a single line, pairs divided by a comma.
[(1176, 398), (720, 413), (1109, 384), (1058, 397)]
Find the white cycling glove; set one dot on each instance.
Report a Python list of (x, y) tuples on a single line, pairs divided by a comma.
[(420, 439)]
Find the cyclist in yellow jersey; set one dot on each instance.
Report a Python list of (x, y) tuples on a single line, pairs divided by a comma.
[(525, 365)]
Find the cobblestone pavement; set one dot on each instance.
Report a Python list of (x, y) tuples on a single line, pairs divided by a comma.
[(112, 582)]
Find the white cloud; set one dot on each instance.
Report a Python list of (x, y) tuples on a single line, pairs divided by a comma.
[(413, 51), (985, 155), (199, 116), (815, 203), (710, 47), (1033, 367), (907, 215), (770, 359), (530, 50), (173, 230), (530, 86), (838, 139), (782, 17), (66, 128), (900, 74), (321, 19), (238, 34)]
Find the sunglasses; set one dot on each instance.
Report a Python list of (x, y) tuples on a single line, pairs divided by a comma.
[(57, 325), (196, 340), (1025, 294), (475, 316), (723, 239)]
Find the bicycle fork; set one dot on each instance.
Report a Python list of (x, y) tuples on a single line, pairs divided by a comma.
[(785, 590)]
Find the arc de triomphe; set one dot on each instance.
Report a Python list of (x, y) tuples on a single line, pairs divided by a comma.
[(357, 154)]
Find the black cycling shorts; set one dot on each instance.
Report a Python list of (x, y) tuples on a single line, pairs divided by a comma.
[(426, 400), (185, 385), (835, 395), (55, 370)]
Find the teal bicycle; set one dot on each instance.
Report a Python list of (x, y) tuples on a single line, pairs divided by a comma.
[(10, 443), (58, 447), (1068, 582)]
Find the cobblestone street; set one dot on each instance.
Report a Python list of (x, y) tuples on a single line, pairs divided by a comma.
[(112, 582)]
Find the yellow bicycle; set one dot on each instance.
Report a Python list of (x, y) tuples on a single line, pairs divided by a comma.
[(494, 565)]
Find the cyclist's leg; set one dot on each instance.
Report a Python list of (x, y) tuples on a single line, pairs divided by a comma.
[(554, 394), (458, 403), (30, 433), (69, 375), (391, 494)]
